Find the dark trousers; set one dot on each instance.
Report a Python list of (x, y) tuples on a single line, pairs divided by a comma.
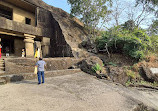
[(40, 73)]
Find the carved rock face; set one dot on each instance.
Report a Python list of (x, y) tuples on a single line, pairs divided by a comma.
[(66, 33)]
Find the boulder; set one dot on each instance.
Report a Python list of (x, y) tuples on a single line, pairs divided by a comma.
[(2, 81), (89, 45), (118, 74), (87, 64), (148, 74)]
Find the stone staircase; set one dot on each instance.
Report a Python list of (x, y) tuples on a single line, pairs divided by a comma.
[(2, 81), (18, 72), (29, 76), (2, 71), (2, 66)]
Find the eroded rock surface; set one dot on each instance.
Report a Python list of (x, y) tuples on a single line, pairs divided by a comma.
[(66, 33), (87, 64), (149, 75), (77, 92), (118, 74)]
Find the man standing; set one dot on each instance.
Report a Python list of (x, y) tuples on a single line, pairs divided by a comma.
[(40, 68), (23, 52)]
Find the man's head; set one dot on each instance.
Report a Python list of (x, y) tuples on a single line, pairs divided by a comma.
[(40, 58)]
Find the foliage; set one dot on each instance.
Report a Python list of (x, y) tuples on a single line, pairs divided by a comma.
[(130, 25), (113, 64), (151, 57), (155, 84), (128, 83), (153, 29), (151, 4), (135, 67), (90, 11), (134, 43), (131, 74), (96, 68), (154, 39), (149, 83)]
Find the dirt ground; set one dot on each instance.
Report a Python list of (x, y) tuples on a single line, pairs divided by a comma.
[(77, 92), (118, 59)]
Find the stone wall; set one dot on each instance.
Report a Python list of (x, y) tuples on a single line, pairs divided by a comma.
[(58, 45), (26, 65), (19, 14), (18, 46), (66, 32), (43, 18), (23, 28)]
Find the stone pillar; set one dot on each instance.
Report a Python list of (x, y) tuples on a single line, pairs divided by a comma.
[(45, 46), (29, 45)]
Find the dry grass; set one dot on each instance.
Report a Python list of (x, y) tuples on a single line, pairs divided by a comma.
[(118, 59), (151, 58)]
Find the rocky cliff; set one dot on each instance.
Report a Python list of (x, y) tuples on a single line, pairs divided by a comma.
[(67, 33)]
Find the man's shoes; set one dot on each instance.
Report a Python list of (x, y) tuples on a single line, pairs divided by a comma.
[(39, 83)]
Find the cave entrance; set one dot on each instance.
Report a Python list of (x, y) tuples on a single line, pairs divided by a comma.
[(12, 43), (7, 43)]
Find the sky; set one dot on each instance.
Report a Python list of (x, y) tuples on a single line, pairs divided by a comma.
[(66, 7), (59, 4), (62, 4)]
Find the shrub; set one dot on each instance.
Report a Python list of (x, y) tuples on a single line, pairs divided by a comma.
[(135, 67), (128, 83), (131, 74), (96, 68), (151, 58), (149, 83), (135, 43), (113, 64)]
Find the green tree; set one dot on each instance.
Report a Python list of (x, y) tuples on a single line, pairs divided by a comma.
[(153, 29), (90, 11), (129, 25), (134, 43), (152, 5)]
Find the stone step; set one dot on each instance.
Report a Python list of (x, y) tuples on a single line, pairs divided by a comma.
[(1, 72), (1, 61), (2, 68), (1, 65), (2, 82), (30, 76)]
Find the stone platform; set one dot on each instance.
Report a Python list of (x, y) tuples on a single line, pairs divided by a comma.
[(28, 76), (74, 92), (18, 69), (26, 65)]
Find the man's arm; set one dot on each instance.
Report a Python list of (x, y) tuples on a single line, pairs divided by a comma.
[(44, 64), (36, 65)]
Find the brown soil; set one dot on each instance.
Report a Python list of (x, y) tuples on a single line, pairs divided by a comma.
[(118, 59)]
